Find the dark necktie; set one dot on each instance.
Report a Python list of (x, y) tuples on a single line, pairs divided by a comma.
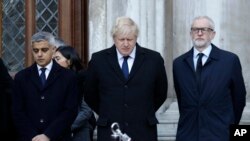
[(125, 66), (42, 76), (198, 71)]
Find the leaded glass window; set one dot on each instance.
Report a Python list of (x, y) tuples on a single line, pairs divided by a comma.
[(13, 34), (46, 16)]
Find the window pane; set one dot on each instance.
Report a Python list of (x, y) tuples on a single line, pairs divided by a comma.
[(13, 34), (46, 16)]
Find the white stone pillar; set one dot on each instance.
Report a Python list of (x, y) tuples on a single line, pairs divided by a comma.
[(148, 14)]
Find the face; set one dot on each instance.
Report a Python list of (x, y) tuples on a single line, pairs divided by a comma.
[(42, 53), (125, 43), (61, 60), (201, 33)]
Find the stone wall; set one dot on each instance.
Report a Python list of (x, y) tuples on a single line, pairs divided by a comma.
[(165, 26)]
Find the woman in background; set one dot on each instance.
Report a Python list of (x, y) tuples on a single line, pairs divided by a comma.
[(84, 124)]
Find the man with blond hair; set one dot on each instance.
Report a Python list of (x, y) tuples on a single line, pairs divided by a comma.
[(126, 84)]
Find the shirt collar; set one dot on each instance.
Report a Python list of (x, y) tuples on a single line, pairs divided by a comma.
[(131, 55), (48, 67), (206, 52)]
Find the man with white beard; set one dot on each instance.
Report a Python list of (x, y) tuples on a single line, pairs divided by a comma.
[(209, 86)]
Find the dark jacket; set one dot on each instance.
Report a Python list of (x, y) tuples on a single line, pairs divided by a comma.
[(133, 102), (48, 110), (84, 124), (7, 130), (207, 116)]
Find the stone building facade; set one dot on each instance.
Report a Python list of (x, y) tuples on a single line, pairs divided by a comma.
[(164, 27)]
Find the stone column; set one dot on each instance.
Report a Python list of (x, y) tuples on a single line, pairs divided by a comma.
[(165, 27)]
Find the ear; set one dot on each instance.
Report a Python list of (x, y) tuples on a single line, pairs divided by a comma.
[(212, 35)]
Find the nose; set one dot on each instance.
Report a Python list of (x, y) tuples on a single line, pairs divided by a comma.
[(39, 53), (126, 43), (200, 32)]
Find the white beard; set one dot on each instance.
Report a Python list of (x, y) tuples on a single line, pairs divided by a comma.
[(200, 43)]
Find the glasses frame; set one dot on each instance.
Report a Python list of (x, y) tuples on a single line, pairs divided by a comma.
[(196, 30)]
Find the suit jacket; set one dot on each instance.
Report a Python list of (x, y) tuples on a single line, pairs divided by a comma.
[(48, 110), (81, 127), (206, 116), (133, 102), (6, 123)]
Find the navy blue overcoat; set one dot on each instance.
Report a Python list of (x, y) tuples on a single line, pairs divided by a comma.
[(48, 110), (206, 116)]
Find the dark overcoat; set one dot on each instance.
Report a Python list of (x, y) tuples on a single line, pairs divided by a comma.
[(48, 110), (6, 124), (133, 102), (206, 116)]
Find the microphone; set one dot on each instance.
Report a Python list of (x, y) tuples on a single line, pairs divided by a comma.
[(117, 134)]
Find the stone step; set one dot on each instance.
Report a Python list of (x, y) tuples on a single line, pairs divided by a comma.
[(169, 119)]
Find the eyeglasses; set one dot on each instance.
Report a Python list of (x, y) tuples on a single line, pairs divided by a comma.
[(203, 30)]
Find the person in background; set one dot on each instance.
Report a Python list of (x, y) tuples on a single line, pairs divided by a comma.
[(57, 42), (209, 86), (44, 96), (7, 130), (82, 130), (127, 84)]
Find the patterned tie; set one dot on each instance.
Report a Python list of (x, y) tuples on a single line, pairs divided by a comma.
[(42, 76), (198, 71), (125, 67)]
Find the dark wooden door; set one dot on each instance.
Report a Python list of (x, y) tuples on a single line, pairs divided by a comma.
[(67, 19)]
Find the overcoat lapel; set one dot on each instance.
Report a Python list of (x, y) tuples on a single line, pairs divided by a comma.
[(209, 80), (214, 55), (54, 73), (112, 60), (139, 57), (52, 76), (35, 77), (189, 60), (207, 70)]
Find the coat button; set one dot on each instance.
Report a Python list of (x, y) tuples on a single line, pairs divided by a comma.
[(41, 120), (126, 105)]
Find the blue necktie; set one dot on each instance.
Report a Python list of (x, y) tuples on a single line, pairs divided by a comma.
[(125, 67), (42, 76)]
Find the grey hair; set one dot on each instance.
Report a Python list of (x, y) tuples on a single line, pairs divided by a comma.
[(211, 22), (59, 42), (124, 26), (43, 36)]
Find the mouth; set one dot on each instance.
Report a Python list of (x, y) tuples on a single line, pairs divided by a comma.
[(40, 60), (126, 48), (199, 39)]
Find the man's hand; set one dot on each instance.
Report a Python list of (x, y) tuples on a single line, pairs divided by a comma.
[(40, 137)]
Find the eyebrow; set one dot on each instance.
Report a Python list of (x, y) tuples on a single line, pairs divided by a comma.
[(202, 28)]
